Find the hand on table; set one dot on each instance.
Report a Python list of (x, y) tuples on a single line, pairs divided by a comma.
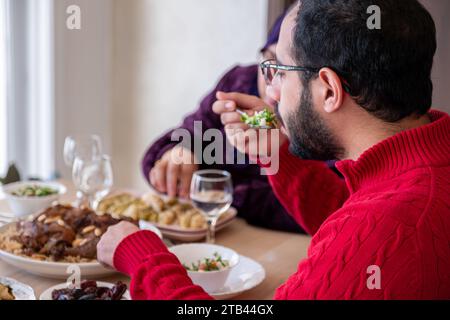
[(111, 240), (172, 174)]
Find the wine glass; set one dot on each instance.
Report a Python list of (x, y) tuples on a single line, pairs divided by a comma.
[(93, 178), (212, 193), (84, 146)]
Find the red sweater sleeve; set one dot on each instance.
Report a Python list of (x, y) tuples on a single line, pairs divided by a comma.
[(156, 274), (318, 190)]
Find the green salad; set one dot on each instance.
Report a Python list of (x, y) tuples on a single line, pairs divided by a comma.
[(34, 191), (209, 264), (264, 119)]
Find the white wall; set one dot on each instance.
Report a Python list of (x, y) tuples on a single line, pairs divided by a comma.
[(137, 66), (83, 73), (440, 10), (167, 56)]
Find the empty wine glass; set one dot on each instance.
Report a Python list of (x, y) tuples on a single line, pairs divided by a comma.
[(84, 146), (93, 178), (212, 194)]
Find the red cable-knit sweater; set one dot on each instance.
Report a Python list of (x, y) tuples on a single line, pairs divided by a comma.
[(392, 211)]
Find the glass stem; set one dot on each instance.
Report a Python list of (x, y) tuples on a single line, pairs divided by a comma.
[(211, 230), (83, 200)]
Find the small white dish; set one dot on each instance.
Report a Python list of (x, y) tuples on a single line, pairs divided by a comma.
[(20, 290), (22, 206), (210, 281), (247, 275), (47, 294)]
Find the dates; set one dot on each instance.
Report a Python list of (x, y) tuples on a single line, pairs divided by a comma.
[(118, 291), (90, 291)]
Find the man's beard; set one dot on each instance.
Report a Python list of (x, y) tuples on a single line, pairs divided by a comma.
[(278, 115), (310, 137)]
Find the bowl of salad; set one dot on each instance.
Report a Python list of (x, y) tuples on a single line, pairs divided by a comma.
[(29, 197), (208, 265)]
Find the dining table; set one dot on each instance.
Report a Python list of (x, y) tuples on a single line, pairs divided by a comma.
[(278, 252)]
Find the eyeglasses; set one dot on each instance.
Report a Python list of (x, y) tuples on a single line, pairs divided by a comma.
[(270, 69)]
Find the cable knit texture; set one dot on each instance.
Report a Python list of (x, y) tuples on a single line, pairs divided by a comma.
[(392, 211)]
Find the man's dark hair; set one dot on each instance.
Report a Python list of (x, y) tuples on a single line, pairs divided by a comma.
[(388, 70)]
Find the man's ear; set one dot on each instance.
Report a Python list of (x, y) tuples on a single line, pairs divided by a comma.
[(331, 89)]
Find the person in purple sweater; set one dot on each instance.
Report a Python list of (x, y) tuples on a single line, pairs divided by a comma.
[(253, 196)]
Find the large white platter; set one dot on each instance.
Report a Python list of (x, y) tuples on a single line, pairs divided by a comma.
[(54, 270)]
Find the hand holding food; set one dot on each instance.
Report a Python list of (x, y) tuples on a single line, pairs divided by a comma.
[(238, 127), (172, 174)]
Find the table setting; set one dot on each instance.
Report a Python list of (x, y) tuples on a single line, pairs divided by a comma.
[(49, 232)]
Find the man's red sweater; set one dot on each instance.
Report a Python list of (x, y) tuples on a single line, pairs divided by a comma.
[(391, 215)]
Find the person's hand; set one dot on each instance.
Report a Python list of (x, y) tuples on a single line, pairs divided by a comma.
[(172, 174), (256, 143), (111, 240)]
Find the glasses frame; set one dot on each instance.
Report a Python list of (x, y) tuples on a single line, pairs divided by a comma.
[(271, 64)]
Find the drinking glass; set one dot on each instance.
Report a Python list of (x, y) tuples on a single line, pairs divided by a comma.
[(93, 178), (84, 146), (212, 193)]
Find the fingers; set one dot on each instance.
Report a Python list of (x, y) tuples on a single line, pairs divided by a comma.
[(241, 100), (230, 118), (185, 181), (220, 107), (158, 176), (233, 128), (152, 176), (172, 179)]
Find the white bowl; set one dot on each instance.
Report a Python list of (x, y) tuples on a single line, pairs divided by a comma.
[(22, 206), (210, 281)]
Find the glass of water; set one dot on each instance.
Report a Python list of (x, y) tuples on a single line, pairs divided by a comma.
[(212, 193), (93, 178)]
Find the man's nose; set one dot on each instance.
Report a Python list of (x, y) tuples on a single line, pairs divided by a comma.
[(273, 93)]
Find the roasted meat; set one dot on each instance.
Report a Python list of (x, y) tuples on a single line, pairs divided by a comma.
[(61, 231)]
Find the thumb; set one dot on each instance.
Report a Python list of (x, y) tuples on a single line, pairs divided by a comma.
[(243, 101)]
